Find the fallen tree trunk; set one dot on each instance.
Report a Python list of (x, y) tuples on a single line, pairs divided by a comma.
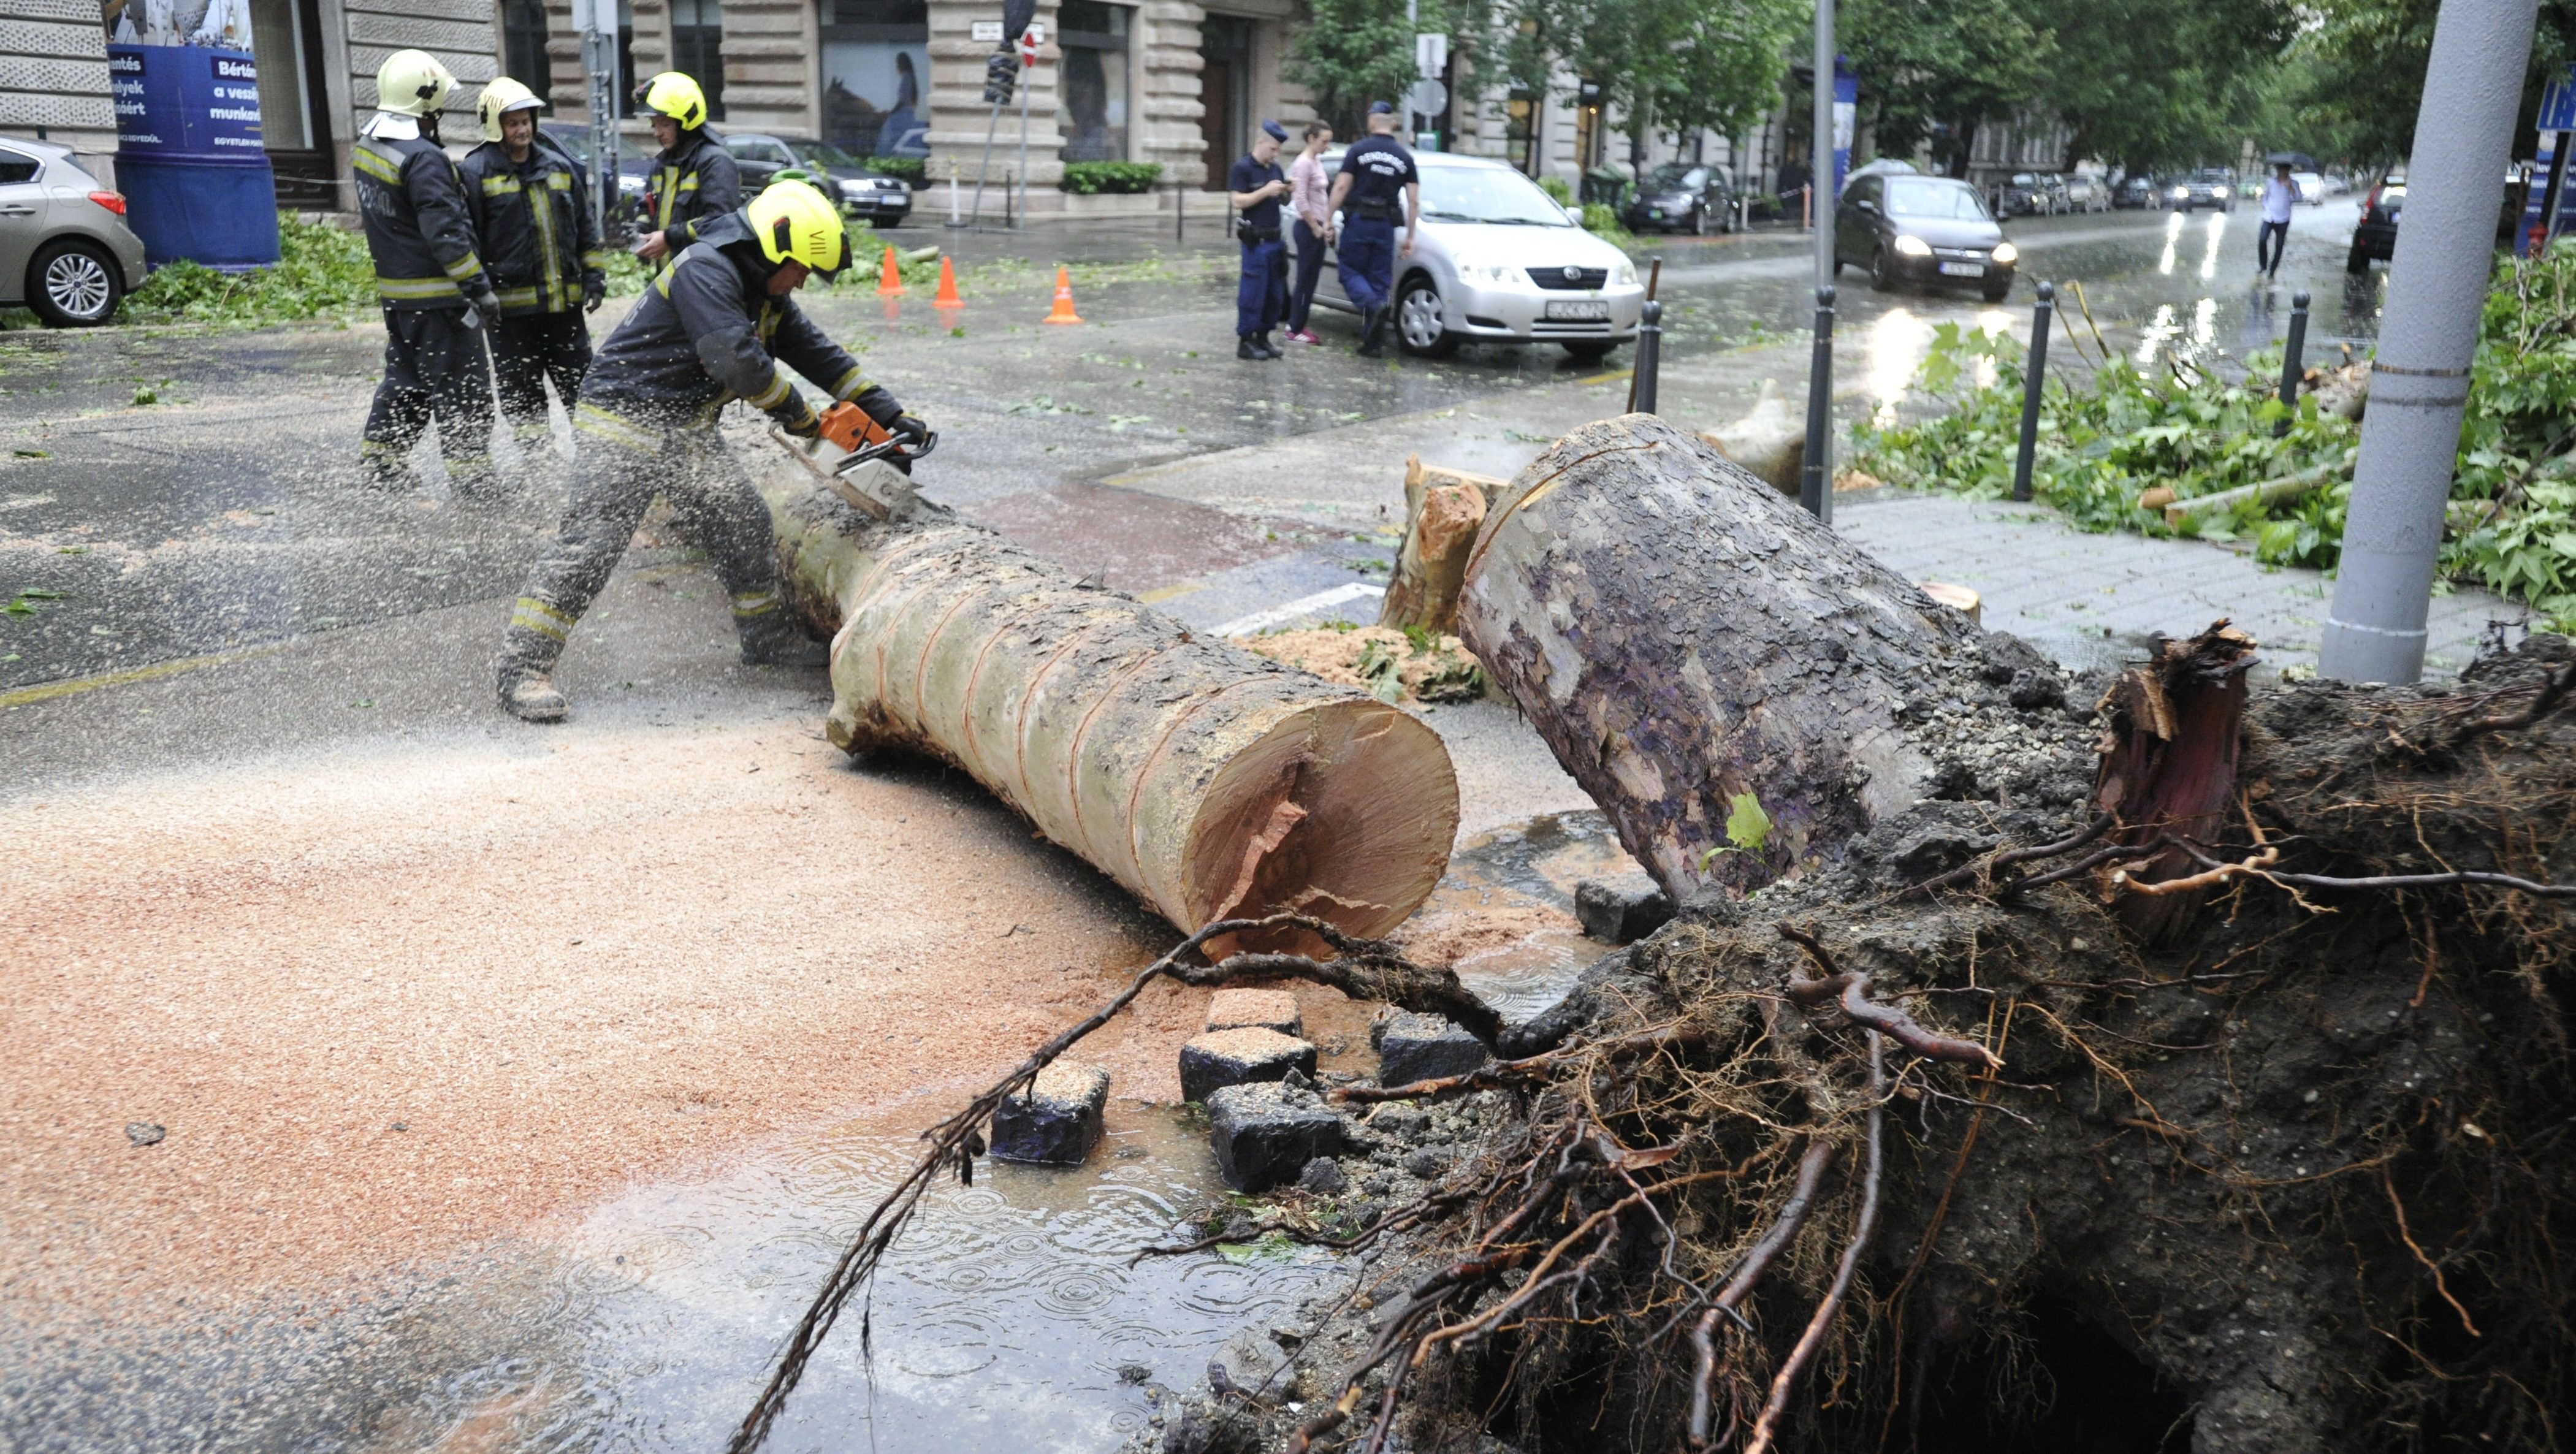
[(1442, 510), (1210, 782), (1682, 634)]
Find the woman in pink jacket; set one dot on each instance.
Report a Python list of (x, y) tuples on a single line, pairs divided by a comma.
[(1309, 193)]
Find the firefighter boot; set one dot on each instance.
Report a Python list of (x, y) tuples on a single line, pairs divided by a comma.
[(525, 670), (770, 637)]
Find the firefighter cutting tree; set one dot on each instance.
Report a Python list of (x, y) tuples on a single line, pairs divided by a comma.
[(714, 327)]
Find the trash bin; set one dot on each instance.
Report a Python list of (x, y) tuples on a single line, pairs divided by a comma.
[(189, 159)]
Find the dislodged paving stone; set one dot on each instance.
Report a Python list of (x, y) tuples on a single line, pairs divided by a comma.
[(1222, 1058), (1059, 1120), (1274, 1010), (1264, 1135), (1415, 1047), (1622, 908), (1324, 1176)]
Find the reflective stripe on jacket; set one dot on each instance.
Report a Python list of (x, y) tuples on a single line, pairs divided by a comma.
[(707, 332), (694, 182), (538, 255), (419, 233)]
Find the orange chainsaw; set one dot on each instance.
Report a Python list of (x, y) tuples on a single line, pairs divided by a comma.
[(847, 426)]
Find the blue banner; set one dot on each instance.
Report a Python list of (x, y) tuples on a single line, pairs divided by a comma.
[(186, 101)]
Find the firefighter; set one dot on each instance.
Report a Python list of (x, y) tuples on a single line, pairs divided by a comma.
[(715, 326), (694, 178), (540, 246), (431, 281)]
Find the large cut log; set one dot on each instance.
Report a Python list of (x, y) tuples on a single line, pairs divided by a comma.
[(1442, 510), (1212, 783), (1682, 634)]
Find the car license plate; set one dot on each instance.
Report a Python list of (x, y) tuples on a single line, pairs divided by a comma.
[(1565, 311), (1656, 213), (1963, 270)]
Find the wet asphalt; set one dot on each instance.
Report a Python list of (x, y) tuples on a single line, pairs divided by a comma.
[(168, 496)]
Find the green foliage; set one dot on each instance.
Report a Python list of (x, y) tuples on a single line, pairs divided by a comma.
[(1601, 220), (1123, 178), (1747, 829), (322, 271), (2361, 74), (1352, 52), (1555, 187), (1383, 669), (2512, 525), (911, 169)]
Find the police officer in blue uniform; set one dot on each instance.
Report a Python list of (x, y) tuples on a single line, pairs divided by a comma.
[(1377, 187), (1254, 185)]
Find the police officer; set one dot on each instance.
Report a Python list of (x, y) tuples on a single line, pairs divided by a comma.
[(1254, 185), (1377, 186), (429, 279), (713, 327), (694, 178), (540, 246)]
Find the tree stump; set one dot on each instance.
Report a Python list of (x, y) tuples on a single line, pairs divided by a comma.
[(1442, 510)]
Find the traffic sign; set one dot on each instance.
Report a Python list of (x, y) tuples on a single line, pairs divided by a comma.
[(2558, 102), (1430, 54), (1427, 97)]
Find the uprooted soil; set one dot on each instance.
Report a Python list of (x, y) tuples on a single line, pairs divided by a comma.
[(2293, 1177)]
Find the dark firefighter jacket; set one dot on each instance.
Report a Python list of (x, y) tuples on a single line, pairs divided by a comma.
[(418, 230), (694, 182), (532, 222), (707, 332)]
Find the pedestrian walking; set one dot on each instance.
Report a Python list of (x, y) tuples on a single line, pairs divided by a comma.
[(1310, 199), (540, 247), (694, 178), (714, 327), (429, 280), (1377, 186), (2279, 194), (1254, 184)]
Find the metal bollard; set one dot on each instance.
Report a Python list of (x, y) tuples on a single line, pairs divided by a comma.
[(1650, 356), (1815, 485), (2041, 318), (2291, 359)]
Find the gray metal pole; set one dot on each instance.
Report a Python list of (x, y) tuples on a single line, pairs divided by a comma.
[(1650, 350), (2041, 318), (1815, 477), (1820, 161), (2293, 360), (2419, 382)]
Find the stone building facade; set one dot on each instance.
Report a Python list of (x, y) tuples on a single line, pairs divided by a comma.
[(53, 79)]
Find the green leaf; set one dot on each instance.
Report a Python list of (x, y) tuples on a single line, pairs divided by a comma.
[(1747, 826)]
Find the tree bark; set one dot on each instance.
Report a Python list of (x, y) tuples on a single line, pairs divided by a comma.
[(1442, 510), (1680, 634), (1210, 782)]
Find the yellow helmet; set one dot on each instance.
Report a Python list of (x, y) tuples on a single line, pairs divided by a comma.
[(676, 96), (412, 83), (796, 223), (499, 99)]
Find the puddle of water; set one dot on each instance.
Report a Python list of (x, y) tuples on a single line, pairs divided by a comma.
[(1532, 866)]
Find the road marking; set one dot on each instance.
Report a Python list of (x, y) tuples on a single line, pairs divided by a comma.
[(1303, 605), (1165, 593), (74, 686), (1608, 378)]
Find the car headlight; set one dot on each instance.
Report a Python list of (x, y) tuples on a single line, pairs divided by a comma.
[(2005, 252), (1624, 275), (2182, 191), (1912, 246), (1497, 275)]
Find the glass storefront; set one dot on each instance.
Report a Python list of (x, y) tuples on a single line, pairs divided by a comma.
[(1096, 79), (876, 76)]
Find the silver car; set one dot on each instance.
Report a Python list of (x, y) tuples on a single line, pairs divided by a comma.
[(1497, 261), (65, 250)]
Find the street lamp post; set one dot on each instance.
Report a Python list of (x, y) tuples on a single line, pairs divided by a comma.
[(2419, 382), (1816, 477)]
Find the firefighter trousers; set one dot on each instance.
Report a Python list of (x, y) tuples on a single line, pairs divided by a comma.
[(434, 371), (528, 350)]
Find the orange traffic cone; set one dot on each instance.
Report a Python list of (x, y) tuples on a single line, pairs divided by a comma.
[(890, 275), (1063, 311), (947, 297)]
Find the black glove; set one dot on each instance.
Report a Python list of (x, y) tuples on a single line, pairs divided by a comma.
[(798, 418), (878, 405), (594, 290), (483, 303), (908, 429)]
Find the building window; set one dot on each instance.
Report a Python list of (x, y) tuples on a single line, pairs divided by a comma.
[(697, 49), (626, 79), (1094, 38), (1521, 130), (285, 115), (1225, 87), (876, 67), (523, 44)]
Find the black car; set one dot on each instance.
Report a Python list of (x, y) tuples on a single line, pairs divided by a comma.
[(865, 193), (2208, 187), (1915, 229), (2375, 239), (2135, 192), (1682, 197)]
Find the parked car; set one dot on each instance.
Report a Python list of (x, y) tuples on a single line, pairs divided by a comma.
[(65, 250), (1923, 230), (2135, 192), (865, 193), (2034, 194), (634, 167), (2312, 187), (1682, 197), (2208, 187), (2374, 238), (2087, 194), (1497, 261)]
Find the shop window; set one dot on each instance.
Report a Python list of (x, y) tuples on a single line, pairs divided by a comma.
[(697, 49), (1095, 40), (876, 74), (523, 44), (285, 113)]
